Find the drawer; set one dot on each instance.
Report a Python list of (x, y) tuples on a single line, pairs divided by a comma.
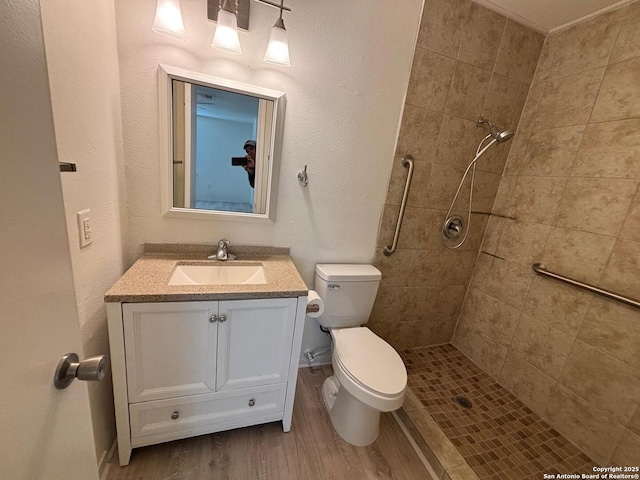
[(161, 420)]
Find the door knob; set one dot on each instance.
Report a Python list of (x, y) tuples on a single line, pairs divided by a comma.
[(91, 369)]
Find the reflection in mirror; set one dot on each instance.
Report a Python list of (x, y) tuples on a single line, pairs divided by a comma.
[(222, 145)]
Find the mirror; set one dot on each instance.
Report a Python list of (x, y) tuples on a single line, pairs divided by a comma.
[(221, 145)]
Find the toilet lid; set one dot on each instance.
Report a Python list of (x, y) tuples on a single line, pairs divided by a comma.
[(369, 360)]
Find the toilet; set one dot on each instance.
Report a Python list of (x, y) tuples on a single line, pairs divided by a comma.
[(369, 376)]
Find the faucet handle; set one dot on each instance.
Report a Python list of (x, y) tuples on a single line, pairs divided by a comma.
[(223, 243)]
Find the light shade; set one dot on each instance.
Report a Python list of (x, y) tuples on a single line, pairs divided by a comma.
[(226, 36), (168, 19), (278, 48)]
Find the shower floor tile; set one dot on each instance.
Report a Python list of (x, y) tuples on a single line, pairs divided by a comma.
[(498, 436)]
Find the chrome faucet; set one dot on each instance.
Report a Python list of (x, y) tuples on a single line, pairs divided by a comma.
[(222, 253)]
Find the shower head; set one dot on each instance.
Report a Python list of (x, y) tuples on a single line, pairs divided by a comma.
[(498, 136)]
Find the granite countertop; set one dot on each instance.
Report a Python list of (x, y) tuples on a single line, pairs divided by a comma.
[(147, 280)]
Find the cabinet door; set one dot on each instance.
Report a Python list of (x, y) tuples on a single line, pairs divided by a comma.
[(254, 343), (170, 349)]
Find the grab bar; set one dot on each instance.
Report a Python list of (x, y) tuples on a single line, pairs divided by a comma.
[(540, 269), (407, 162)]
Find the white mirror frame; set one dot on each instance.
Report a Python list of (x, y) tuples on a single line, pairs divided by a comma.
[(168, 73)]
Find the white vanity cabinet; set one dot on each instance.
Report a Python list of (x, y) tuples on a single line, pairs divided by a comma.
[(188, 368)]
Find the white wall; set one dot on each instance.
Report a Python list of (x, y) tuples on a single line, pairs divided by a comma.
[(85, 96), (345, 89)]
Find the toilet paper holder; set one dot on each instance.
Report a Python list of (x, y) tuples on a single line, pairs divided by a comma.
[(313, 308)]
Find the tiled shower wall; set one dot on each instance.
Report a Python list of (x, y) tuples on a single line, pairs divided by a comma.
[(469, 61), (570, 192)]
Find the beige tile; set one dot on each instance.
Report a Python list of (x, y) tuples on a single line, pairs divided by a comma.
[(408, 238), (586, 426), (504, 101), (442, 25), (522, 243), (481, 37), (509, 282), (541, 345), (623, 270), (476, 231), (596, 205), (387, 225), (387, 305), (519, 52), (531, 106), (425, 267), (547, 56), (517, 154), (602, 381), (415, 304), (530, 385), (430, 229), (628, 44), (585, 46), (552, 152), (397, 181), (411, 402), (484, 191), (419, 183), (634, 424), (457, 267), (402, 335), (631, 227), (492, 234), (481, 349), (443, 313), (614, 328), (536, 199), (468, 91), (461, 472), (419, 133), (481, 271), (496, 319), (557, 304), (568, 100), (430, 80), (503, 195), (456, 145), (578, 255), (619, 96), (395, 269), (628, 450), (443, 184), (610, 149), (446, 453)]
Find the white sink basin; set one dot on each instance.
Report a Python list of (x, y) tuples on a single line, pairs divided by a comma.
[(217, 275)]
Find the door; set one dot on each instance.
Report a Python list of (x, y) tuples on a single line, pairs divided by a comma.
[(254, 342), (44, 433)]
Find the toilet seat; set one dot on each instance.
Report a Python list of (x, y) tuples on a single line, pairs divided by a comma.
[(369, 361)]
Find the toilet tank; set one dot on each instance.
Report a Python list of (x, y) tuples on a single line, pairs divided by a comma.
[(348, 292)]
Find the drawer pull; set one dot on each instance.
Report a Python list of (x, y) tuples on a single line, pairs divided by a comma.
[(252, 402), (175, 415), (223, 318), (213, 318)]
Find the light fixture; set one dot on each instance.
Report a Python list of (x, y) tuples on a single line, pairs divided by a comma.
[(226, 35), (278, 48), (168, 19)]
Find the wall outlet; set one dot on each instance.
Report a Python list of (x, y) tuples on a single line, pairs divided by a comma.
[(84, 228)]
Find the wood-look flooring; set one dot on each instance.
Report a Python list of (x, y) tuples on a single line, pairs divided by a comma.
[(311, 451)]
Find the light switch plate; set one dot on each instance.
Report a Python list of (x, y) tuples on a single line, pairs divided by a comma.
[(84, 228)]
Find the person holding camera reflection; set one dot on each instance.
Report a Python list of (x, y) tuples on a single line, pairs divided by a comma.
[(250, 167)]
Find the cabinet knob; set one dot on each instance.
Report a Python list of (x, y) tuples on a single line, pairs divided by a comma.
[(223, 318), (213, 318), (175, 415), (252, 402)]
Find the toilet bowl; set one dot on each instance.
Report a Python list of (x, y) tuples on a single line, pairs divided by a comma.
[(369, 376)]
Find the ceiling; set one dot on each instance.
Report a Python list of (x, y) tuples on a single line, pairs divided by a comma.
[(550, 15)]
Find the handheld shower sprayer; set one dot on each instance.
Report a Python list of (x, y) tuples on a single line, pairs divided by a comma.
[(454, 225)]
